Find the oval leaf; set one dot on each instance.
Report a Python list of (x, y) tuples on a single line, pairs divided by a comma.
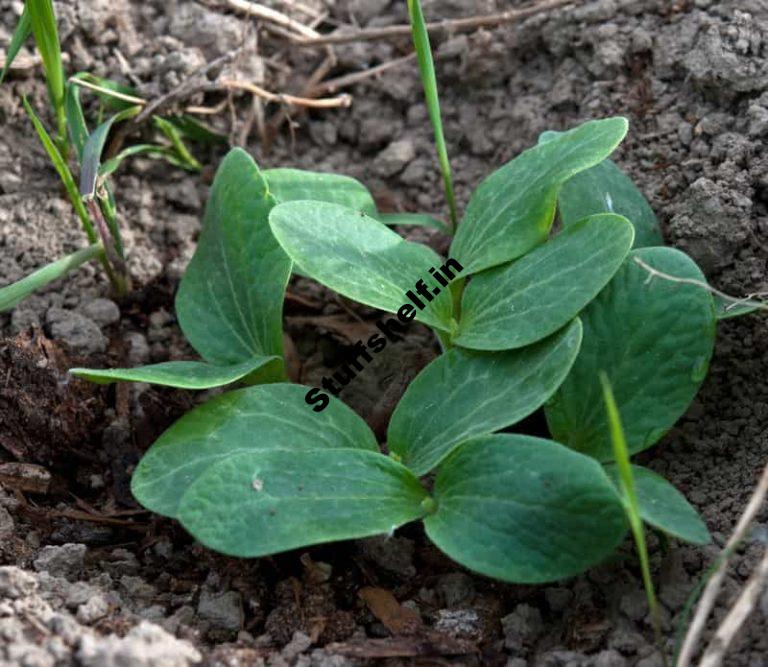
[(296, 184), (654, 339), (462, 394), (524, 510), (254, 504), (359, 257), (256, 419), (512, 210), (181, 374), (230, 301), (663, 506), (519, 303)]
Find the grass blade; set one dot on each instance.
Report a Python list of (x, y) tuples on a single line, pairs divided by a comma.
[(64, 173), (186, 159), (94, 146), (78, 128), (427, 69), (20, 34), (14, 293), (43, 23), (631, 505)]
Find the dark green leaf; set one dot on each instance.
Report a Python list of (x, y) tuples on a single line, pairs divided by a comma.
[(194, 130), (181, 374), (512, 210), (663, 506), (21, 289), (21, 32), (519, 303), (76, 125), (183, 155), (359, 257), (605, 188), (463, 394), (91, 158), (259, 503), (256, 420), (230, 302), (727, 308), (524, 510), (295, 184), (653, 338)]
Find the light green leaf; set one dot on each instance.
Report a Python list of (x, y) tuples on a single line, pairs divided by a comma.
[(256, 419), (183, 156), (63, 171), (462, 394), (108, 167), (181, 374), (43, 22), (259, 503), (663, 506), (21, 32), (512, 210), (727, 308), (654, 339), (230, 302), (21, 289), (605, 188), (296, 184), (519, 303), (359, 257), (524, 510), (429, 81)]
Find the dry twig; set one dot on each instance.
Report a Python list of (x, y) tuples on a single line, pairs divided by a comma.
[(296, 29), (451, 26), (321, 103), (332, 85), (712, 588), (713, 656)]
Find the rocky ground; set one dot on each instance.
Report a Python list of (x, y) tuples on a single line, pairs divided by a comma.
[(87, 578)]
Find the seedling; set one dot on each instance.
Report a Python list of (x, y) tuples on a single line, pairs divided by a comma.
[(93, 201), (542, 318)]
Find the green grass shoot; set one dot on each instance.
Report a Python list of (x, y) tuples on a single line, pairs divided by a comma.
[(20, 34), (13, 294), (629, 497), (427, 69), (43, 23)]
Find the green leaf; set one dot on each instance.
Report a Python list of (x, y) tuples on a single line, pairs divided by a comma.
[(108, 167), (662, 506), (429, 81), (462, 394), (256, 420), (43, 22), (94, 146), (295, 184), (359, 257), (21, 32), (230, 301), (76, 125), (259, 503), (512, 210), (181, 374), (416, 219), (21, 289), (521, 302), (524, 510), (654, 339), (183, 155), (194, 130), (64, 173), (605, 188)]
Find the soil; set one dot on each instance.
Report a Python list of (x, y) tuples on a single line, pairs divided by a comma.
[(88, 578)]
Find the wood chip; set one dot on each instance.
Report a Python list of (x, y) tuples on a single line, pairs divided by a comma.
[(397, 619)]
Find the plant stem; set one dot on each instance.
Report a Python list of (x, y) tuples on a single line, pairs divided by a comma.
[(429, 81)]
